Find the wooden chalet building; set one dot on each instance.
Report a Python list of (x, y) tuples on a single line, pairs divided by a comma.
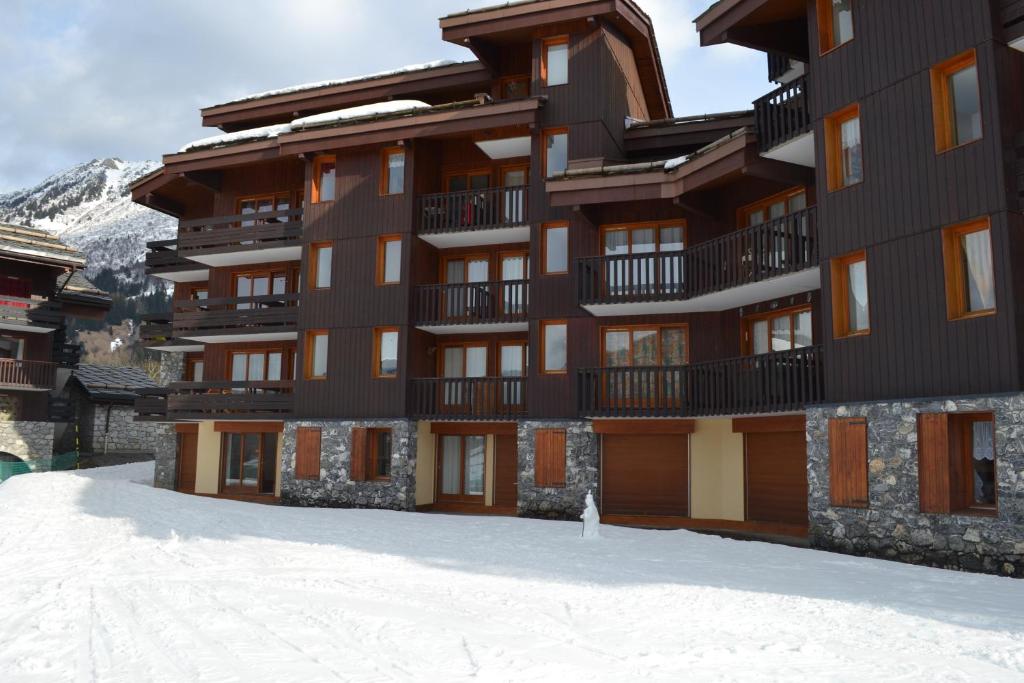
[(492, 286)]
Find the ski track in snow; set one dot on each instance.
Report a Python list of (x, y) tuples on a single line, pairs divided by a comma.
[(110, 580)]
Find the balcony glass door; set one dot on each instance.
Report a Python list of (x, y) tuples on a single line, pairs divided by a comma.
[(630, 275), (512, 360), (249, 462), (513, 269), (462, 468), (467, 302), (628, 350), (514, 196), (468, 203), (461, 362)]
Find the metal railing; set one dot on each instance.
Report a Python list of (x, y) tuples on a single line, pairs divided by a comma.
[(471, 303), (494, 207), (782, 114), (468, 398)]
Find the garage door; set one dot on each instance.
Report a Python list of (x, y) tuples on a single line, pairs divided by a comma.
[(645, 475), (777, 477)]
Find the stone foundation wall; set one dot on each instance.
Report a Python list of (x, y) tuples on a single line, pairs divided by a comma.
[(27, 440), (165, 454), (892, 526), (121, 433), (582, 471), (172, 367), (334, 488)]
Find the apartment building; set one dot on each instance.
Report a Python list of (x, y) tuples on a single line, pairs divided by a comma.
[(494, 285)]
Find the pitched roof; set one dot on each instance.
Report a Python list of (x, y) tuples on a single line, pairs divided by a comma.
[(75, 285), (31, 244), (112, 383)]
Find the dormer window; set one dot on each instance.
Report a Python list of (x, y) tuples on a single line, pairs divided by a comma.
[(554, 62)]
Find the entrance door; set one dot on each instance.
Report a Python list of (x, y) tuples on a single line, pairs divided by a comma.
[(776, 465), (506, 471), (461, 468), (249, 462), (188, 445), (645, 475)]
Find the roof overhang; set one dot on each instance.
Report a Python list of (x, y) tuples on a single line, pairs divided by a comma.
[(683, 135), (766, 25), (480, 29)]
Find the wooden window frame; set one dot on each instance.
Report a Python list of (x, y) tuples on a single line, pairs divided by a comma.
[(373, 453), (942, 106), (222, 487), (956, 288), (544, 247), (631, 227), (764, 204), (286, 361), (385, 171), (307, 361), (294, 198), (378, 337), (747, 332), (544, 324), (833, 146), (945, 464), (466, 258), (314, 265), (468, 175), (840, 295), (826, 31), (461, 496), (472, 344), (318, 162), (545, 44), (382, 250), (657, 328), (541, 436), (547, 133)]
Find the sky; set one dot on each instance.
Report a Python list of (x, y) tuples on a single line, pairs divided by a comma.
[(85, 79)]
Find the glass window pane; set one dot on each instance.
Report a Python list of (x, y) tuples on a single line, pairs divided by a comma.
[(554, 348), (326, 184), (850, 144), (558, 64), (671, 239), (274, 366), (197, 371), (616, 242), (798, 202), (976, 256), (616, 349), (396, 172), (512, 361), (781, 336), (247, 207), (643, 241), (256, 367), (755, 218), (243, 286), (388, 354), (842, 21), (984, 463), (453, 366), (233, 455), (392, 260), (556, 250), (280, 284), (324, 256), (238, 367), (857, 290), (320, 355), (803, 335), (250, 459), (673, 346), (645, 348), (760, 337), (268, 474), (451, 465), (478, 270), (966, 105), (383, 460), (557, 153), (261, 285), (475, 454), (777, 210), (476, 361)]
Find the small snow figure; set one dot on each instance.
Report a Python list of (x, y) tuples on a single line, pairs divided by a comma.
[(591, 519)]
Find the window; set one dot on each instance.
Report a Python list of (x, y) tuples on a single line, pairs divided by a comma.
[(850, 314), (643, 238), (515, 87), (249, 462), (956, 101), (389, 260), (777, 331), (970, 282), (844, 157), (957, 462), (258, 366), (549, 458), (773, 207), (195, 371), (385, 352), (848, 462), (392, 179), (321, 255), (370, 455), (661, 274), (262, 204), (553, 347), (639, 346), (556, 249), (307, 453), (380, 454), (554, 61), (316, 354), (462, 467), (258, 287), (323, 179), (556, 151), (835, 24)]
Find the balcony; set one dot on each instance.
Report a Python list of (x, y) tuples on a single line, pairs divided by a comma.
[(265, 237), (468, 398), (29, 315), (239, 400), (272, 317), (472, 307), (783, 121), (155, 328), (774, 259), (1011, 15), (777, 382), (27, 375), (782, 69), (151, 405), (164, 261), (496, 215)]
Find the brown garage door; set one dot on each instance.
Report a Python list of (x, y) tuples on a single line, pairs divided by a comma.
[(777, 477), (645, 475)]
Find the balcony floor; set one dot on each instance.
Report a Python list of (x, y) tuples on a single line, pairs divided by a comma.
[(799, 150), (477, 238), (26, 327), (744, 295), (472, 328), (242, 337), (200, 275), (245, 255)]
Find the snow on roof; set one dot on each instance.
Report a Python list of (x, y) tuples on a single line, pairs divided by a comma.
[(375, 109), (261, 133), (673, 164), (411, 68)]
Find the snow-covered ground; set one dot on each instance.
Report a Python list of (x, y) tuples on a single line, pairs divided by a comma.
[(104, 579)]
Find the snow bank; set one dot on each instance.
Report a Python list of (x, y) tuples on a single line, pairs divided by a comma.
[(375, 109)]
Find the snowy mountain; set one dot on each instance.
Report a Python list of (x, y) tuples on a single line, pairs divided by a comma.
[(89, 206)]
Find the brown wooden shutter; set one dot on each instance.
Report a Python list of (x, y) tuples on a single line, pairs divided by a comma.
[(307, 453), (549, 458), (933, 461), (360, 453), (848, 462)]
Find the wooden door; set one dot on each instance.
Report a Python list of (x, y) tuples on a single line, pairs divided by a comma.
[(506, 471), (645, 474), (188, 446), (776, 464)]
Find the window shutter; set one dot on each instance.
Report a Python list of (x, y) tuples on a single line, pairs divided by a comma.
[(848, 462), (933, 461), (307, 453), (549, 458), (359, 453)]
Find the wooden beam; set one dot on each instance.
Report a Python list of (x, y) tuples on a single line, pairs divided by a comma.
[(473, 428), (248, 427), (774, 423), (653, 426), (155, 201)]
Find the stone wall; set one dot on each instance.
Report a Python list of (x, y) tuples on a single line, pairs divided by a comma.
[(172, 367), (582, 464), (118, 434), (892, 526), (27, 440), (165, 454), (334, 488)]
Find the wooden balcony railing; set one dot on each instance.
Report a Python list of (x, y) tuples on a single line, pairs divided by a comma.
[(471, 303), (240, 232), (218, 399), (151, 405), (494, 207), (769, 383), (782, 115), (468, 398), (778, 64), (27, 374), (270, 313), (155, 327), (30, 312), (779, 247), (162, 257)]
